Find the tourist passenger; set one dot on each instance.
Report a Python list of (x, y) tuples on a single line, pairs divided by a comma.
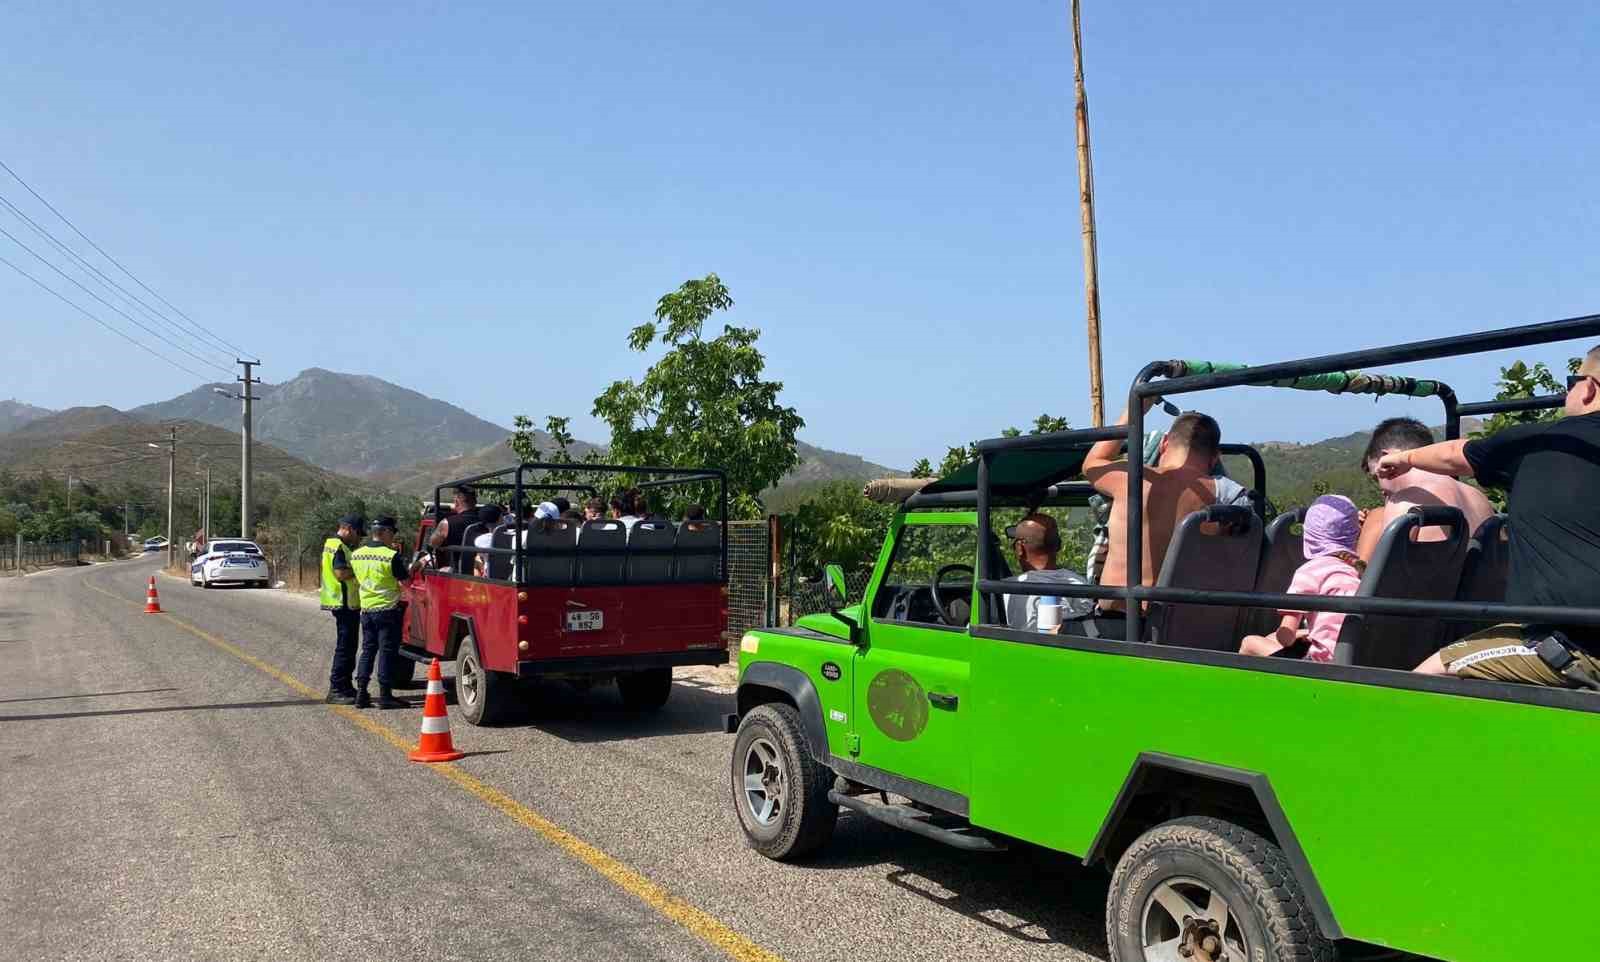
[(1552, 471), (448, 535), (1331, 569), (1410, 488), (1036, 541), (618, 506), (630, 507), (1179, 483), (694, 512), (594, 510)]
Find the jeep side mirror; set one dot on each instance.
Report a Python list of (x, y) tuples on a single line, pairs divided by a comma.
[(834, 588), (835, 592)]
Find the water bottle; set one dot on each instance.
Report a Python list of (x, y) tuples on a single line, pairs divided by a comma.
[(1049, 617)]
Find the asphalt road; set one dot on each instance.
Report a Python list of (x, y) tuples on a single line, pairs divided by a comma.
[(172, 791)]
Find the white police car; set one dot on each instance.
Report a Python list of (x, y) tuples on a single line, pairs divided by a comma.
[(230, 561)]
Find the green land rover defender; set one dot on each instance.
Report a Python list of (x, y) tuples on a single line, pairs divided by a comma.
[(1249, 808)]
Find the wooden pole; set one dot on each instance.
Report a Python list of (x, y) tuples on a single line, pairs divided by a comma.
[(1091, 256)]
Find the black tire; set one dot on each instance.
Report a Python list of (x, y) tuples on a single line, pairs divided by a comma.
[(484, 697), (645, 690), (801, 818), (1174, 867)]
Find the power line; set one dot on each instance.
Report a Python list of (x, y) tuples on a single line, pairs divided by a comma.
[(4, 166), (117, 331), (74, 281), (110, 284)]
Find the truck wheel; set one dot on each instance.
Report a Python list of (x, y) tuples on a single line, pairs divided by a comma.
[(779, 791), (1203, 888), (483, 696), (645, 690)]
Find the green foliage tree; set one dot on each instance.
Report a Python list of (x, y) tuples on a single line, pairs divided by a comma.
[(704, 402), (524, 443), (1517, 381), (833, 523)]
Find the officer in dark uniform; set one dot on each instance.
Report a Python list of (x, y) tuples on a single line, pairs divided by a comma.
[(341, 596), (379, 566)]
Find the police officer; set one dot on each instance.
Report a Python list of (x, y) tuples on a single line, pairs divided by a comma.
[(341, 596), (379, 567)]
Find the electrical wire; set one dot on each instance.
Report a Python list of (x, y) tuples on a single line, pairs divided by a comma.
[(74, 281), (18, 178), (122, 334), (110, 284)]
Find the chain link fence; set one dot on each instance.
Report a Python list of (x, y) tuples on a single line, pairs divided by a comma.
[(21, 555), (749, 576), (808, 597)]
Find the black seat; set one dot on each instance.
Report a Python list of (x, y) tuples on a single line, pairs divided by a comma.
[(1484, 573), (698, 551), (465, 561), (602, 553), (551, 546), (1282, 553), (500, 565), (650, 550), (1225, 559), (1403, 568)]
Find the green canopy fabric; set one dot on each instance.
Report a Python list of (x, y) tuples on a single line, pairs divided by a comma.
[(1017, 472), (1334, 382)]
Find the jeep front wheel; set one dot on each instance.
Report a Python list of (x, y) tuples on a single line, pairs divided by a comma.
[(1200, 889), (779, 791)]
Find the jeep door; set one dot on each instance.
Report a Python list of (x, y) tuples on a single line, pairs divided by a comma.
[(911, 675)]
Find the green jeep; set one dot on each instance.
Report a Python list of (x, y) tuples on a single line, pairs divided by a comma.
[(1249, 808)]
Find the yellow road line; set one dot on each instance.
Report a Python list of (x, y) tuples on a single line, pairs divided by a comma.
[(696, 921)]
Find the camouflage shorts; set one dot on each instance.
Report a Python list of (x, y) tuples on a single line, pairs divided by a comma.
[(1502, 653)]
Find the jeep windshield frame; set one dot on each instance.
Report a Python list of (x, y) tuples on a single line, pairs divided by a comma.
[(520, 479), (1065, 443)]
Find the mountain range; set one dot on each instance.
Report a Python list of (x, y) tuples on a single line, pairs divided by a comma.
[(347, 424)]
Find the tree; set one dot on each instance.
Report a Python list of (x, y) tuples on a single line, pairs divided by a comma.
[(1517, 381), (955, 457), (524, 443), (704, 402)]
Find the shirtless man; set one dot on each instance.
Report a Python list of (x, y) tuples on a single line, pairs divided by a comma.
[(1413, 487), (1179, 483)]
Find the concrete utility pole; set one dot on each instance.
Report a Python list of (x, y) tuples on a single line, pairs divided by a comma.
[(1091, 253), (246, 530), (172, 474), (69, 492)]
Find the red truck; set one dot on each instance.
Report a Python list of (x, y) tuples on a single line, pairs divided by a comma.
[(585, 602)]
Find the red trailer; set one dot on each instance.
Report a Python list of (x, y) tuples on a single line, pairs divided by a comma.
[(583, 601)]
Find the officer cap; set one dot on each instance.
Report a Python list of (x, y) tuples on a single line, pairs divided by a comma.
[(386, 521), (355, 521)]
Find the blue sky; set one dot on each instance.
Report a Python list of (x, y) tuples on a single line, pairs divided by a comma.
[(888, 189)]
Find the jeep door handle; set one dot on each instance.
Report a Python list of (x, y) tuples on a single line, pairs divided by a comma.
[(941, 700)]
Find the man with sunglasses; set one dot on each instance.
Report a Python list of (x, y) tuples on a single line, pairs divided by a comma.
[(1552, 473)]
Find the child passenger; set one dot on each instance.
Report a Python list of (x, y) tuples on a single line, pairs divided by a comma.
[(1331, 568)]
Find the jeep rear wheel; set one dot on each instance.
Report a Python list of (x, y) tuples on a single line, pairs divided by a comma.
[(1200, 889), (483, 696), (645, 690), (779, 791)]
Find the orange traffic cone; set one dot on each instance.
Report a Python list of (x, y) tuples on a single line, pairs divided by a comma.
[(434, 745), (152, 601)]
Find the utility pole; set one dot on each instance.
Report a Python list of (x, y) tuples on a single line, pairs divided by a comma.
[(245, 469), (1091, 253), (124, 519), (172, 474), (69, 492), (209, 533)]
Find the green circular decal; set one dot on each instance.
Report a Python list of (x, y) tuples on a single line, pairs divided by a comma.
[(897, 704)]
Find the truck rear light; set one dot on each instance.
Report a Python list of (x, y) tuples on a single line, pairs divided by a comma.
[(522, 645), (724, 591), (522, 619), (522, 596)]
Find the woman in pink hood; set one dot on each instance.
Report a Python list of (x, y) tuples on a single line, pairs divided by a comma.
[(1332, 528)]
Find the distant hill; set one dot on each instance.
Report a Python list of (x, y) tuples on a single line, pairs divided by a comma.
[(349, 423), (14, 414), (63, 429), (118, 452), (816, 465)]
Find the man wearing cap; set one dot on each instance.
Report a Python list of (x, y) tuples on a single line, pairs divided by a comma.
[(341, 596), (1036, 541), (379, 568)]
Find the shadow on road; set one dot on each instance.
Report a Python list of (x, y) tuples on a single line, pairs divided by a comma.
[(597, 714), (91, 694), (286, 703), (1029, 894)]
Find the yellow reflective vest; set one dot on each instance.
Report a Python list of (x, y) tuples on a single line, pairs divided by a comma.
[(337, 595), (373, 564)]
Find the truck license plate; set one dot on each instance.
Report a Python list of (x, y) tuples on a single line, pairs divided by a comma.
[(585, 620)]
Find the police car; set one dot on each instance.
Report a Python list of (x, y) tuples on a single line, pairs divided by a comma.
[(230, 561)]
